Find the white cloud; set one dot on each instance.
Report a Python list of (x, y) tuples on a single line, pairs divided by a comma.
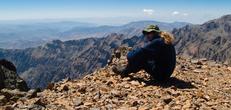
[(185, 14), (148, 11), (175, 13)]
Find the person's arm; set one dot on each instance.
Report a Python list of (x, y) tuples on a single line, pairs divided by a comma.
[(149, 51)]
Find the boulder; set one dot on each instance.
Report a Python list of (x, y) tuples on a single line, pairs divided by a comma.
[(9, 78)]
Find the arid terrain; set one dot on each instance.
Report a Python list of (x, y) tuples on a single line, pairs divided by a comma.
[(195, 84)]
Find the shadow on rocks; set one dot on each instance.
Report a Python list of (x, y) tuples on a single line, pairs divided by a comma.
[(172, 81)]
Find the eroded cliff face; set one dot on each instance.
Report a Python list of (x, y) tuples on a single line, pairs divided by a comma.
[(195, 84), (210, 40)]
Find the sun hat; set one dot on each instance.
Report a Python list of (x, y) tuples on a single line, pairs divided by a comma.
[(151, 28)]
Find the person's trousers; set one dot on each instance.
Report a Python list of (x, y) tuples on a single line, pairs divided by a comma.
[(149, 66)]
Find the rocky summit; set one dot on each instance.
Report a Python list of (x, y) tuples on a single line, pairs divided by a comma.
[(195, 84)]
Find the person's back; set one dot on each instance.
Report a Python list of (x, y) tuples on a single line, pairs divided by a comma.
[(165, 61)]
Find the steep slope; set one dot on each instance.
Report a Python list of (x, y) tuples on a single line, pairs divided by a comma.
[(58, 60), (195, 84), (211, 40)]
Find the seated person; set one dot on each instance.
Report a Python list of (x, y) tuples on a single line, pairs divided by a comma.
[(157, 58)]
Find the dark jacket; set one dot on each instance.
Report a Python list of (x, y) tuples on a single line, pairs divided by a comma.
[(157, 58)]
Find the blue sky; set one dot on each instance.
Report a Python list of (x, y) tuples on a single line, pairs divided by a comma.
[(115, 11)]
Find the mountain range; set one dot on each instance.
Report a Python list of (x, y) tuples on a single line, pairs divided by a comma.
[(58, 59), (20, 35), (23, 35), (129, 30)]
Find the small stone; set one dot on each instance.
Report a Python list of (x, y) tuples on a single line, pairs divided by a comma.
[(200, 94), (94, 108), (109, 83), (203, 59), (229, 68), (167, 100), (174, 88), (117, 54), (206, 79), (88, 103), (204, 66), (50, 86), (194, 61), (199, 66), (135, 83), (166, 107), (135, 103), (177, 107), (143, 83), (65, 88), (32, 93), (206, 97), (211, 103), (104, 89), (78, 102), (198, 71), (126, 86), (97, 96), (41, 102), (35, 107), (126, 78), (115, 101), (9, 108), (187, 104), (2, 99), (144, 107), (212, 64), (115, 93), (106, 74), (82, 90)]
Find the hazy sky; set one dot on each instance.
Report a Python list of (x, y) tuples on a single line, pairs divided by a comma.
[(115, 11)]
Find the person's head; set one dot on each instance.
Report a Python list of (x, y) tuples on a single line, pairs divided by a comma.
[(153, 31)]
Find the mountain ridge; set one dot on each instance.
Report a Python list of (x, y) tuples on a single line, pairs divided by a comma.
[(58, 60), (26, 35), (206, 40)]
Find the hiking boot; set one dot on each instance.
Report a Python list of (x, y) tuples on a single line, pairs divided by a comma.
[(120, 70)]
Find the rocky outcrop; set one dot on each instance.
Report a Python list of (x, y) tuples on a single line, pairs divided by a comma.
[(8, 77), (12, 87), (195, 84)]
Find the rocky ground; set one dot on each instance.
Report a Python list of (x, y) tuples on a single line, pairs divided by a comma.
[(195, 84)]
